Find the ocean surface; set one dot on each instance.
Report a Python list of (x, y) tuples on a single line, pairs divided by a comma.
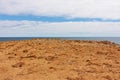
[(112, 39)]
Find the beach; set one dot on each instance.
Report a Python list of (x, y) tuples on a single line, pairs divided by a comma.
[(58, 59)]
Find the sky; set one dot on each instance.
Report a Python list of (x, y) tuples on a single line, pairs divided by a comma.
[(59, 18)]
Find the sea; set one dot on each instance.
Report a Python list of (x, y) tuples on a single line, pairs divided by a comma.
[(112, 39)]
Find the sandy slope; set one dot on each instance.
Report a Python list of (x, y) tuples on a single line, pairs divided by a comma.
[(52, 59)]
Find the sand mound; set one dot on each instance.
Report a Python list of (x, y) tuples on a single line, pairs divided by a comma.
[(52, 59)]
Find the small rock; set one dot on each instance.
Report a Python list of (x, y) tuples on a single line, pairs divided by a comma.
[(20, 64)]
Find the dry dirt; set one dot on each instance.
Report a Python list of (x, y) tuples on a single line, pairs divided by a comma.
[(54, 59)]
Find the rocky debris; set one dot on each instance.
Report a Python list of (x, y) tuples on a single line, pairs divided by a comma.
[(54, 59)]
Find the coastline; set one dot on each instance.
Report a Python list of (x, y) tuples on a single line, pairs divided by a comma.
[(112, 39)]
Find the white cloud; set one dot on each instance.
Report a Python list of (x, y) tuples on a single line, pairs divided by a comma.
[(107, 9), (68, 29)]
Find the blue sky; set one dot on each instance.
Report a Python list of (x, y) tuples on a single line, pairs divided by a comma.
[(59, 18), (54, 19)]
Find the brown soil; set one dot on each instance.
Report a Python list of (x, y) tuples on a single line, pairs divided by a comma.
[(53, 59)]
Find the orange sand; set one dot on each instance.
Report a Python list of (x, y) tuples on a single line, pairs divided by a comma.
[(53, 59)]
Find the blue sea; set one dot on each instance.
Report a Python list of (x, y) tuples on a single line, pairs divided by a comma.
[(112, 39)]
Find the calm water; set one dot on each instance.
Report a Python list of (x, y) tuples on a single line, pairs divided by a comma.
[(113, 39)]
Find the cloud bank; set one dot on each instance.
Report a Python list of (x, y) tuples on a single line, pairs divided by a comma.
[(106, 9), (59, 29)]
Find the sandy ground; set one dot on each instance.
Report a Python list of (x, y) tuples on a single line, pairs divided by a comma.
[(53, 59)]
